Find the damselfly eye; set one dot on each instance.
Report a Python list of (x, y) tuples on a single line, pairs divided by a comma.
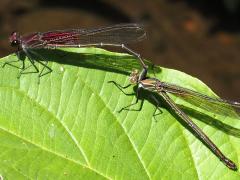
[(14, 39), (15, 43), (134, 76), (133, 79)]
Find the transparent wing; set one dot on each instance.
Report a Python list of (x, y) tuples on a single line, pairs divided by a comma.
[(116, 34), (211, 104)]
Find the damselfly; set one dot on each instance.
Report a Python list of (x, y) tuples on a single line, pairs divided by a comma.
[(212, 104), (116, 35)]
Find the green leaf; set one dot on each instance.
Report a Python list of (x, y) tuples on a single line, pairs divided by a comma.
[(68, 125)]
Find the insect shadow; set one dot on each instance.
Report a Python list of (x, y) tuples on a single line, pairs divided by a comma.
[(112, 63)]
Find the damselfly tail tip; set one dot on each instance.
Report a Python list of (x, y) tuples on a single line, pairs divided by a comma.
[(230, 164)]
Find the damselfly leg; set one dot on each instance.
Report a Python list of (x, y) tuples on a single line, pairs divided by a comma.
[(138, 98), (12, 62)]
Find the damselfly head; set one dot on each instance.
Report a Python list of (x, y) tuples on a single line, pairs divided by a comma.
[(14, 39), (134, 76)]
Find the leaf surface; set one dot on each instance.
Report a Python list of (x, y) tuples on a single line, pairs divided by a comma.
[(68, 125)]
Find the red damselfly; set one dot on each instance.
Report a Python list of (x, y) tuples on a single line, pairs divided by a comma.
[(213, 104), (117, 35)]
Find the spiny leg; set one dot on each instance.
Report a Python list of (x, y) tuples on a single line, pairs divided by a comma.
[(157, 107), (127, 108), (120, 87), (137, 99), (9, 63), (32, 63), (43, 64)]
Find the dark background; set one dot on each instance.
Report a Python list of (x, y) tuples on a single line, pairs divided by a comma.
[(201, 37)]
